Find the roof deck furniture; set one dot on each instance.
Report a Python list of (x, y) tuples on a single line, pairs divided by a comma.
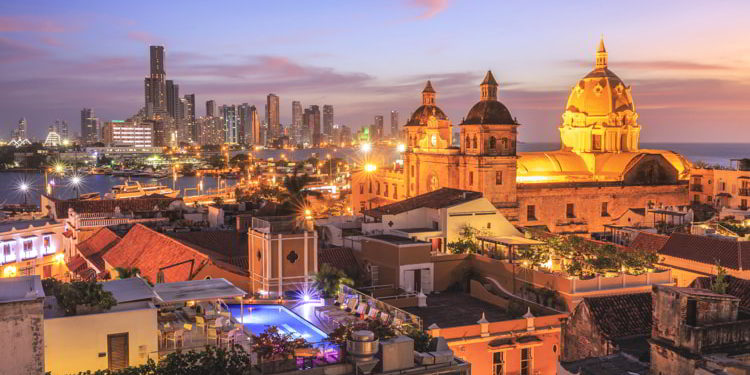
[(509, 242)]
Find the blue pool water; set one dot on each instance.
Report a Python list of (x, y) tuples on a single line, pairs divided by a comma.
[(257, 318)]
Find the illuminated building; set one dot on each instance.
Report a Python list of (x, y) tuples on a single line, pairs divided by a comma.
[(155, 86), (328, 120), (272, 116), (118, 132), (33, 247), (53, 139), (598, 173), (89, 126), (394, 124)]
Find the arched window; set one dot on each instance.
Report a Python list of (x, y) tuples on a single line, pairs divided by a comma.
[(493, 143), (467, 142), (505, 143), (474, 142)]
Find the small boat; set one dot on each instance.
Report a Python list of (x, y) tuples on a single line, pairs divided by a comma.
[(134, 189)]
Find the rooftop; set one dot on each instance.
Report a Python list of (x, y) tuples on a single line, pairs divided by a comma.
[(143, 204), (441, 198), (8, 226), (453, 309), (737, 287), (708, 250), (395, 240), (416, 230), (129, 290), (95, 246), (22, 288), (649, 242), (615, 364), (197, 290)]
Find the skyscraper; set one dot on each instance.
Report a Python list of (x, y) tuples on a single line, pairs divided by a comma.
[(328, 120), (378, 127), (296, 114), (155, 84), (210, 108), (89, 126), (173, 99), (229, 113), (394, 124), (190, 117), (272, 115), (63, 130), (244, 126), (306, 126), (254, 136), (314, 123), (22, 129)]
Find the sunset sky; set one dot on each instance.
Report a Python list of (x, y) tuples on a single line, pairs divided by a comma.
[(687, 61)]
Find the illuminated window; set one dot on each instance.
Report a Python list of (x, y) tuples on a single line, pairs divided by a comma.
[(526, 361), (47, 245), (8, 255), (530, 212), (468, 142), (377, 188), (28, 249), (385, 189), (499, 178), (493, 143), (474, 142), (570, 211), (361, 188), (498, 363)]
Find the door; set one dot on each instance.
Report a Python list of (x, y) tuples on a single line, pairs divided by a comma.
[(417, 280), (46, 271), (117, 351), (426, 280), (408, 281)]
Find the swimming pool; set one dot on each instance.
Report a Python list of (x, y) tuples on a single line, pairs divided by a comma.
[(257, 318)]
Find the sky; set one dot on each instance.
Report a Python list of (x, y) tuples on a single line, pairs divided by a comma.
[(688, 62)]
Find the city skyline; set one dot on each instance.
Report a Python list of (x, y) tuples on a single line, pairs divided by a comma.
[(50, 70)]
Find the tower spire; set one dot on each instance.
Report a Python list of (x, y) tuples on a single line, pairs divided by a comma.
[(489, 87), (601, 55), (428, 94)]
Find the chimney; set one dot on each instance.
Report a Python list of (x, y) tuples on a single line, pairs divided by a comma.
[(484, 326), (529, 319)]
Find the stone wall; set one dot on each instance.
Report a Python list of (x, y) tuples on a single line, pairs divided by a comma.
[(22, 339), (582, 339)]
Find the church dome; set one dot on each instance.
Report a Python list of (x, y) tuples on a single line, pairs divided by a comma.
[(602, 93), (488, 111), (427, 109)]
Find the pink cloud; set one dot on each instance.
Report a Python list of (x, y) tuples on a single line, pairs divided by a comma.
[(31, 24), (659, 65), (12, 51), (430, 8), (51, 41), (143, 37)]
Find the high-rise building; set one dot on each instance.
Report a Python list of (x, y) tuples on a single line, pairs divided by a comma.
[(22, 128), (272, 115), (254, 136), (296, 114), (394, 124), (189, 117), (173, 99), (378, 127), (328, 120), (306, 132), (155, 84), (210, 108), (89, 126), (229, 113), (130, 133), (244, 127), (211, 131), (314, 123), (345, 134)]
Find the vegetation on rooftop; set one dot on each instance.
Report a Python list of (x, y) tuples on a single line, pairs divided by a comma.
[(71, 296), (272, 344), (329, 279), (467, 242), (342, 333), (719, 284)]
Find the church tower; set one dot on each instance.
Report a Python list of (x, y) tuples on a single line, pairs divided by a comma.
[(488, 145)]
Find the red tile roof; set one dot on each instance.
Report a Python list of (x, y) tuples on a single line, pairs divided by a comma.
[(339, 257), (144, 204), (227, 249), (709, 250), (649, 242), (737, 287), (78, 266), (96, 245), (441, 198), (151, 251), (621, 316)]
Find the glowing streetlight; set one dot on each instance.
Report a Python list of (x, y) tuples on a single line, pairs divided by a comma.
[(401, 147), (308, 214), (75, 181), (369, 167), (366, 147), (24, 188)]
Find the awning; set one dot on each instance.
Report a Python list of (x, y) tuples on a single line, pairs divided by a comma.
[(197, 290)]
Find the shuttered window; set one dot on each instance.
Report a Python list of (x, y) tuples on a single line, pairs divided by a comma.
[(117, 351)]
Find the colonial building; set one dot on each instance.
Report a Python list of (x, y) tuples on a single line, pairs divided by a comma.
[(727, 190), (598, 173)]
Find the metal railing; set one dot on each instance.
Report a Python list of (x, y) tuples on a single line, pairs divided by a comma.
[(394, 312), (745, 192)]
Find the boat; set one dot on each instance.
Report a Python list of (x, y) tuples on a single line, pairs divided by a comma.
[(134, 189)]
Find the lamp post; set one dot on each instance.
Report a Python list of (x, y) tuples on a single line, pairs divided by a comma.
[(24, 187), (76, 182)]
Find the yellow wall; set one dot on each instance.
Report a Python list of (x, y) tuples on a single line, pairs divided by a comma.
[(73, 343)]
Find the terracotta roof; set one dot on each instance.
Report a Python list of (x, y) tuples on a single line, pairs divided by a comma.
[(150, 251), (708, 250), (78, 266), (650, 242), (96, 245), (227, 249), (621, 316), (143, 204), (339, 257), (441, 198), (737, 287)]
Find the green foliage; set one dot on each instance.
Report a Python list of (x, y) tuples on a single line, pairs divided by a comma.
[(720, 283), (127, 272), (296, 193), (467, 241), (535, 255), (274, 345), (382, 331), (212, 360), (78, 293), (421, 339), (329, 279)]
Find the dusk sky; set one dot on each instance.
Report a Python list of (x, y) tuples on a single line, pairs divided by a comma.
[(687, 61)]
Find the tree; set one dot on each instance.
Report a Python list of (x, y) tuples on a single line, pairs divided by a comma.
[(127, 272), (296, 193), (274, 345), (329, 279), (466, 242), (720, 283), (72, 295)]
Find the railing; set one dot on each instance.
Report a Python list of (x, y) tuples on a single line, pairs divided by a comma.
[(394, 312), (279, 224), (696, 188), (745, 192), (716, 337)]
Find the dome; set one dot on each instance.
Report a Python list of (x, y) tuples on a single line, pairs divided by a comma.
[(420, 116), (488, 112)]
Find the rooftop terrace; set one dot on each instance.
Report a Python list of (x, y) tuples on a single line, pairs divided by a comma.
[(452, 309)]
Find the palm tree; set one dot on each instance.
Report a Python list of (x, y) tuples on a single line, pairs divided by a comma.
[(127, 272), (296, 193), (329, 279)]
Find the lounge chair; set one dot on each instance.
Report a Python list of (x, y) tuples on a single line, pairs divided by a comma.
[(384, 317), (373, 313), (361, 309)]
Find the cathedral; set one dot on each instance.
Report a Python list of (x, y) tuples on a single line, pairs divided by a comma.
[(598, 173)]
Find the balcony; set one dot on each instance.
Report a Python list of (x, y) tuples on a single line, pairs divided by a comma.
[(696, 188), (745, 192)]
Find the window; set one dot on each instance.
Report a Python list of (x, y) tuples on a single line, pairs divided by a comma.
[(474, 142), (471, 178), (361, 188), (526, 361), (385, 188), (597, 142), (696, 198), (743, 204), (570, 211), (468, 143), (708, 198), (489, 225), (605, 212), (498, 363), (530, 212), (493, 143), (395, 191), (362, 206), (499, 178), (28, 249), (434, 225), (370, 187), (412, 171), (377, 188), (8, 255), (47, 245)]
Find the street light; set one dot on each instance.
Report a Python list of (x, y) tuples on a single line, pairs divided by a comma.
[(76, 182), (24, 188), (401, 147), (366, 147), (369, 167)]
